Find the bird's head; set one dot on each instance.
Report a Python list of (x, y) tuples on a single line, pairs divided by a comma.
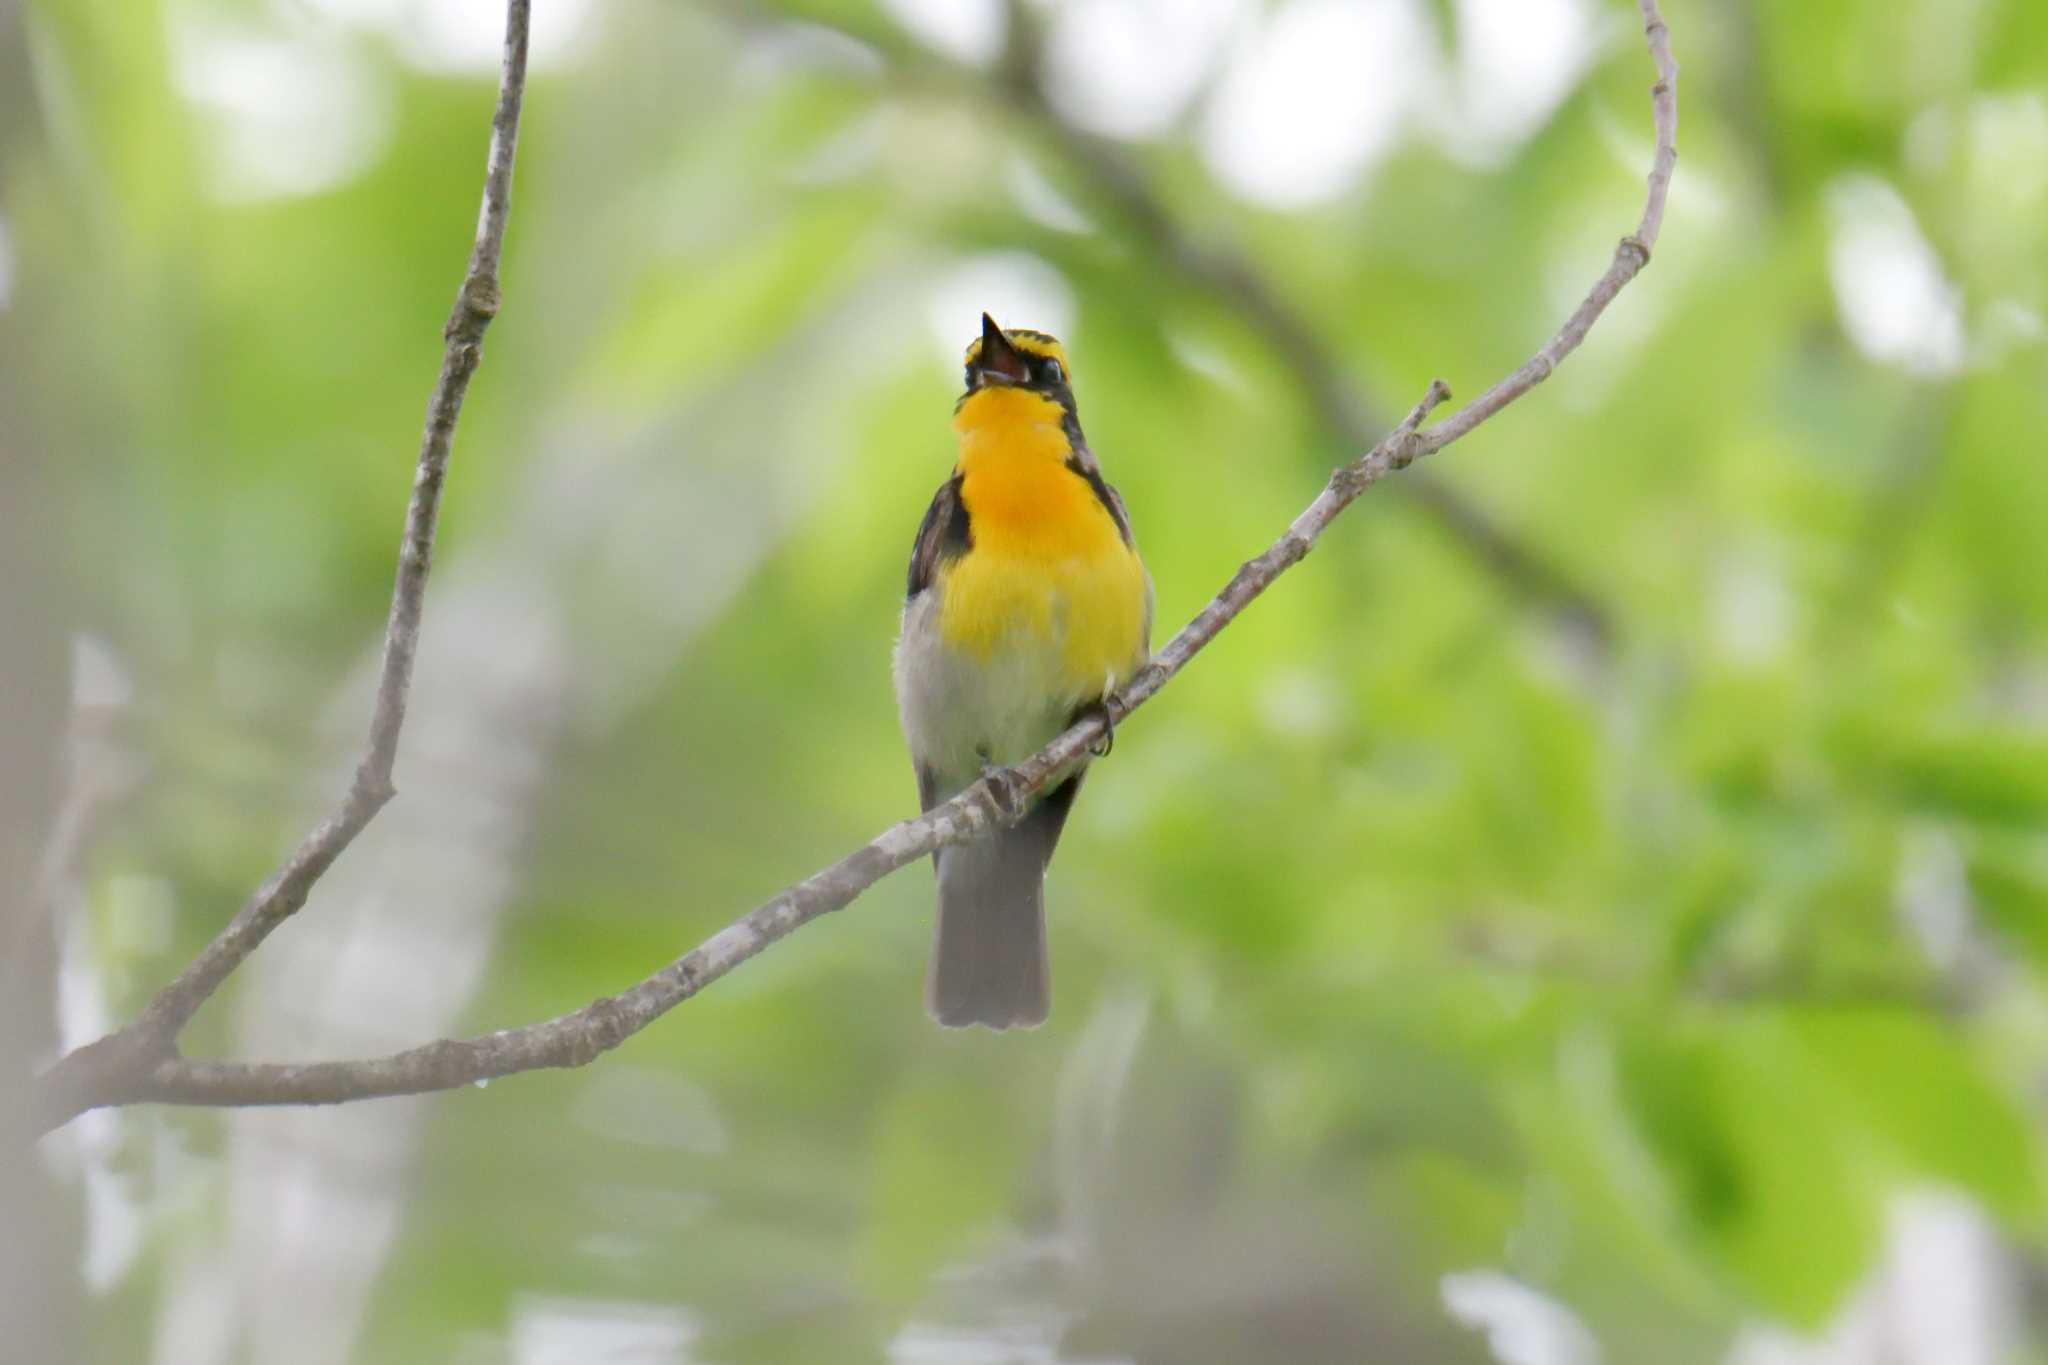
[(1018, 358)]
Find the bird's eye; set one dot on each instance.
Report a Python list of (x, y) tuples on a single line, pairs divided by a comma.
[(1053, 372), (970, 377)]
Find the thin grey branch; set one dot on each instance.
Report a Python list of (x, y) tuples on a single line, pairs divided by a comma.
[(1630, 256), (1234, 279), (577, 1038), (154, 1035)]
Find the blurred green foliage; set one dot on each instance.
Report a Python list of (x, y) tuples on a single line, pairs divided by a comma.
[(1408, 932)]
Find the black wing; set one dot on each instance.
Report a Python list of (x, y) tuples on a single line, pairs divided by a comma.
[(1114, 501), (1083, 462), (943, 535)]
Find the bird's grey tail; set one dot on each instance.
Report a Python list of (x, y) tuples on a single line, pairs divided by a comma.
[(988, 950)]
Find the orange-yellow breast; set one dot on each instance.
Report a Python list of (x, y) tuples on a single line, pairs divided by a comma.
[(1049, 578)]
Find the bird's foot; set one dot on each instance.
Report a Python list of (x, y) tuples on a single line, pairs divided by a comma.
[(1106, 741), (1006, 788)]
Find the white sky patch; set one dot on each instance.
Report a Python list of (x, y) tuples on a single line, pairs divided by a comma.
[(1523, 1326), (1760, 1345), (1322, 93), (1962, 1305), (552, 1331), (1128, 68), (1895, 302), (1016, 288), (1516, 61), (966, 30), (1945, 1294), (1023, 1342), (461, 35), (283, 114)]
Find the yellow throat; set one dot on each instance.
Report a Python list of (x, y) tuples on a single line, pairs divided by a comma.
[(1047, 568)]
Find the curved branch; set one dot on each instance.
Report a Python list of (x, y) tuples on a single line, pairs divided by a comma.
[(476, 303), (154, 1035), (579, 1037), (1234, 279)]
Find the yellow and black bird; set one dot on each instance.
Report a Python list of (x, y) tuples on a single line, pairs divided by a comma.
[(1027, 605)]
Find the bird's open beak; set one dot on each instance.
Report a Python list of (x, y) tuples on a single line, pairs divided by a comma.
[(998, 362)]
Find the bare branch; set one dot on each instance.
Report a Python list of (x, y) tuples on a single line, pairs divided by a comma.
[(1629, 257), (81, 1081), (1235, 280), (476, 303)]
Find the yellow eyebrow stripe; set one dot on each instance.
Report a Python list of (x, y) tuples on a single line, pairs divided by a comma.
[(1029, 342)]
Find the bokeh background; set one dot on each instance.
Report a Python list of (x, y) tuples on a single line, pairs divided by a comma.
[(1595, 909)]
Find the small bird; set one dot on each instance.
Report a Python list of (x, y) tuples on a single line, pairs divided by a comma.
[(1027, 605)]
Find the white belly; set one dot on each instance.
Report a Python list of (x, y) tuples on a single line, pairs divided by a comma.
[(962, 712)]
